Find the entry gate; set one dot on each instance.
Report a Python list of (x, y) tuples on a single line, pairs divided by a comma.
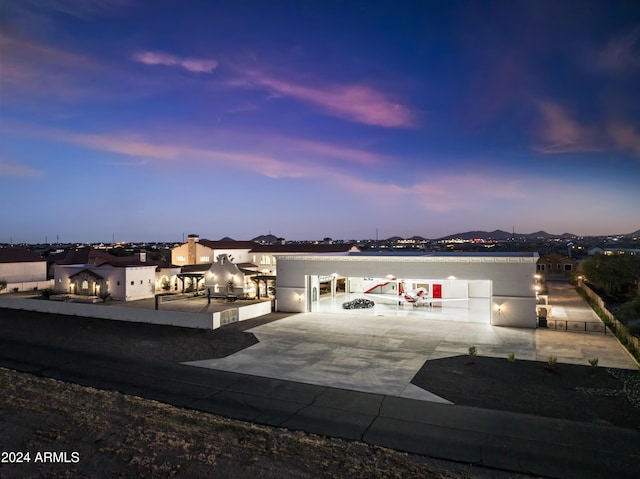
[(229, 316)]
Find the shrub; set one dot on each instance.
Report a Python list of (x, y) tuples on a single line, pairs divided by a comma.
[(473, 352), (47, 293), (593, 362), (3, 284), (16, 289), (552, 364), (104, 296), (511, 358)]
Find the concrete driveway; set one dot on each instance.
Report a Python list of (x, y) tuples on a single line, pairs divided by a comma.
[(366, 353), (381, 355)]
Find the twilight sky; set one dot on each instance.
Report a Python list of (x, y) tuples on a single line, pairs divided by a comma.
[(145, 120)]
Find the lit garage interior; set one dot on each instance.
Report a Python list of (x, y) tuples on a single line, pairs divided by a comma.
[(445, 299)]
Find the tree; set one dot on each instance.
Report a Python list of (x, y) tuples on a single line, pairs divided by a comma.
[(615, 274), (3, 284)]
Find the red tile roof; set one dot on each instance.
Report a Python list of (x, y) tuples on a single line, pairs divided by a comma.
[(14, 254)]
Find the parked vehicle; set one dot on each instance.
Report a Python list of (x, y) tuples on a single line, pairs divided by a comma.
[(359, 303)]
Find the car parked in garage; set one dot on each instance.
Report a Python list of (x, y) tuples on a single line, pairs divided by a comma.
[(359, 303)]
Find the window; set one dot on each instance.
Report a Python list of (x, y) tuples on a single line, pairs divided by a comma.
[(140, 281), (568, 267), (540, 267), (181, 258), (149, 281), (204, 259), (132, 283), (85, 284), (118, 283), (59, 280)]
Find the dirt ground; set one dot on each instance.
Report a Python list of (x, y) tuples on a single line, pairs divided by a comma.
[(109, 435), (124, 436)]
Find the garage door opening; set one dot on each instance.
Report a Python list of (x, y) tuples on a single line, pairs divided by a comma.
[(446, 299)]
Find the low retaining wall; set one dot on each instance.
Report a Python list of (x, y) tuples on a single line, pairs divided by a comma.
[(241, 314), (27, 286), (136, 315)]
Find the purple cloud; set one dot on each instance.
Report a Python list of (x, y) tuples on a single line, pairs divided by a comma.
[(358, 103), (622, 53), (196, 65), (558, 133)]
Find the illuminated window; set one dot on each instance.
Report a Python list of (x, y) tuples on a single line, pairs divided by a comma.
[(204, 259), (85, 284), (181, 258)]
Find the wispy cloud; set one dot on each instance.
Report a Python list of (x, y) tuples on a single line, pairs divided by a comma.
[(196, 65), (559, 133), (359, 103), (33, 71), (438, 193), (626, 137), (11, 169), (78, 8), (621, 54)]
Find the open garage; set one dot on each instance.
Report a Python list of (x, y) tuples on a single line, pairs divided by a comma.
[(496, 289)]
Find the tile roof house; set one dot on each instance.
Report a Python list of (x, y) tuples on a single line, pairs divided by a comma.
[(204, 251), (555, 263), (90, 272)]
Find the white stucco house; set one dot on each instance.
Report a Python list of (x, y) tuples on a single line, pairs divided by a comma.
[(22, 270), (497, 289), (204, 251), (225, 278), (123, 282), (89, 272)]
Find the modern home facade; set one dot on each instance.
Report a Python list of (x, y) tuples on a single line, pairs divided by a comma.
[(499, 289)]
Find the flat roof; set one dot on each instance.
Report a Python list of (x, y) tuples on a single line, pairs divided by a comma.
[(448, 254)]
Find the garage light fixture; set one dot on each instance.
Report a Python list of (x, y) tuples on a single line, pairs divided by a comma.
[(451, 277)]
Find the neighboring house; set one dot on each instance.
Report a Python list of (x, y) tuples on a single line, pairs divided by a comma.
[(225, 278), (203, 251), (615, 248), (123, 282), (555, 263), (265, 257), (22, 269), (90, 272)]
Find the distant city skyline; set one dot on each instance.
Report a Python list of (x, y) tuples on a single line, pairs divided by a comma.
[(141, 121)]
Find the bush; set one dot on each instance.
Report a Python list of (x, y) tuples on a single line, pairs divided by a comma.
[(3, 284), (593, 362), (511, 358), (47, 293), (473, 352), (552, 364), (104, 296)]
